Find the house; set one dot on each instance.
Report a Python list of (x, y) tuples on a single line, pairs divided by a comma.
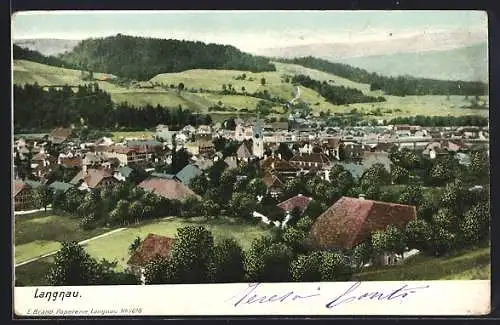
[(94, 159), (244, 152), (309, 160), (71, 162), (152, 246), (331, 147), (372, 158), (283, 169), (186, 174), (298, 201), (463, 158), (23, 194), (243, 132), (122, 173), (350, 221), (203, 163), (128, 155), (231, 162), (60, 186), (171, 189), (88, 179), (204, 148), (59, 135), (273, 183)]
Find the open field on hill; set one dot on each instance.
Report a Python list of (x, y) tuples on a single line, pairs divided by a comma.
[(30, 72), (41, 233), (115, 246), (471, 265)]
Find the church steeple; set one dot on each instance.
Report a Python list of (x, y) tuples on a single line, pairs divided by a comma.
[(257, 138)]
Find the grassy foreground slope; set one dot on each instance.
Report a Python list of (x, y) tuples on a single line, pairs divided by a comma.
[(471, 265)]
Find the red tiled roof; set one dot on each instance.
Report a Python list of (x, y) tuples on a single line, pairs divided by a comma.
[(299, 201), (350, 221), (151, 247), (71, 162), (18, 187), (167, 188)]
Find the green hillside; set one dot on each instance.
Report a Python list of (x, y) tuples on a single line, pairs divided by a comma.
[(208, 82)]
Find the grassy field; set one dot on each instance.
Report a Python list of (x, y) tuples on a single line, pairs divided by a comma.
[(38, 235), (30, 72), (115, 246), (471, 265), (41, 233), (117, 136)]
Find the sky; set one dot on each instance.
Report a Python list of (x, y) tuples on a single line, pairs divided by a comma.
[(248, 30)]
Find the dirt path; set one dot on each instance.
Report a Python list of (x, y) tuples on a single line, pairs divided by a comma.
[(83, 242)]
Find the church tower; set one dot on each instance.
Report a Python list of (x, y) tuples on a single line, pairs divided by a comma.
[(258, 139)]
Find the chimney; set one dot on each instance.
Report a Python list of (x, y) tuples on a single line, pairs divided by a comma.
[(361, 196)]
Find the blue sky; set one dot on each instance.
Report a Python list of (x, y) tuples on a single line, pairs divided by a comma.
[(248, 30)]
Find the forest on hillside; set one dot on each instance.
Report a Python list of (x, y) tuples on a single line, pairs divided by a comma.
[(36, 109), (397, 86), (142, 58), (337, 95)]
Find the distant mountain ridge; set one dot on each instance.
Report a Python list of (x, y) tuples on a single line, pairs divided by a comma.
[(48, 47), (467, 63)]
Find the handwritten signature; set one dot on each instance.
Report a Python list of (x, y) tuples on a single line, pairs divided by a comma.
[(252, 295)]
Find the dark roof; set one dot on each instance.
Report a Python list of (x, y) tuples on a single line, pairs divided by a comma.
[(151, 247), (168, 188), (271, 180), (350, 221), (244, 151), (163, 175), (60, 186), (298, 201), (186, 174), (311, 157), (125, 171)]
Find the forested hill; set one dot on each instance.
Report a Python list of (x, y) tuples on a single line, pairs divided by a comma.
[(398, 86), (142, 58), (20, 53)]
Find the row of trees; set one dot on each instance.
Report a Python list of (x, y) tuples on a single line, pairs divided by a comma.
[(465, 120), (337, 95), (398, 86), (37, 109), (142, 58)]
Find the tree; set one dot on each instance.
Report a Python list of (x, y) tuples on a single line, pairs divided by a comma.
[(180, 86), (399, 175), (199, 184), (134, 245), (136, 210), (306, 268), (295, 239), (263, 81), (362, 254), (268, 261), (334, 267), (257, 187), (192, 253), (314, 209), (73, 267), (43, 196), (180, 159), (209, 208), (419, 233), (285, 151), (242, 205), (391, 240), (344, 182), (228, 264), (476, 223), (377, 174), (411, 195), (160, 271)]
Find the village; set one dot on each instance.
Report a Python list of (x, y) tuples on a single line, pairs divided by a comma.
[(279, 169)]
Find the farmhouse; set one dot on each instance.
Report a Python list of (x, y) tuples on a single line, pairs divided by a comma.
[(88, 179), (151, 247), (23, 193), (350, 221), (299, 202), (170, 189), (273, 183), (309, 160), (186, 174), (59, 135)]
